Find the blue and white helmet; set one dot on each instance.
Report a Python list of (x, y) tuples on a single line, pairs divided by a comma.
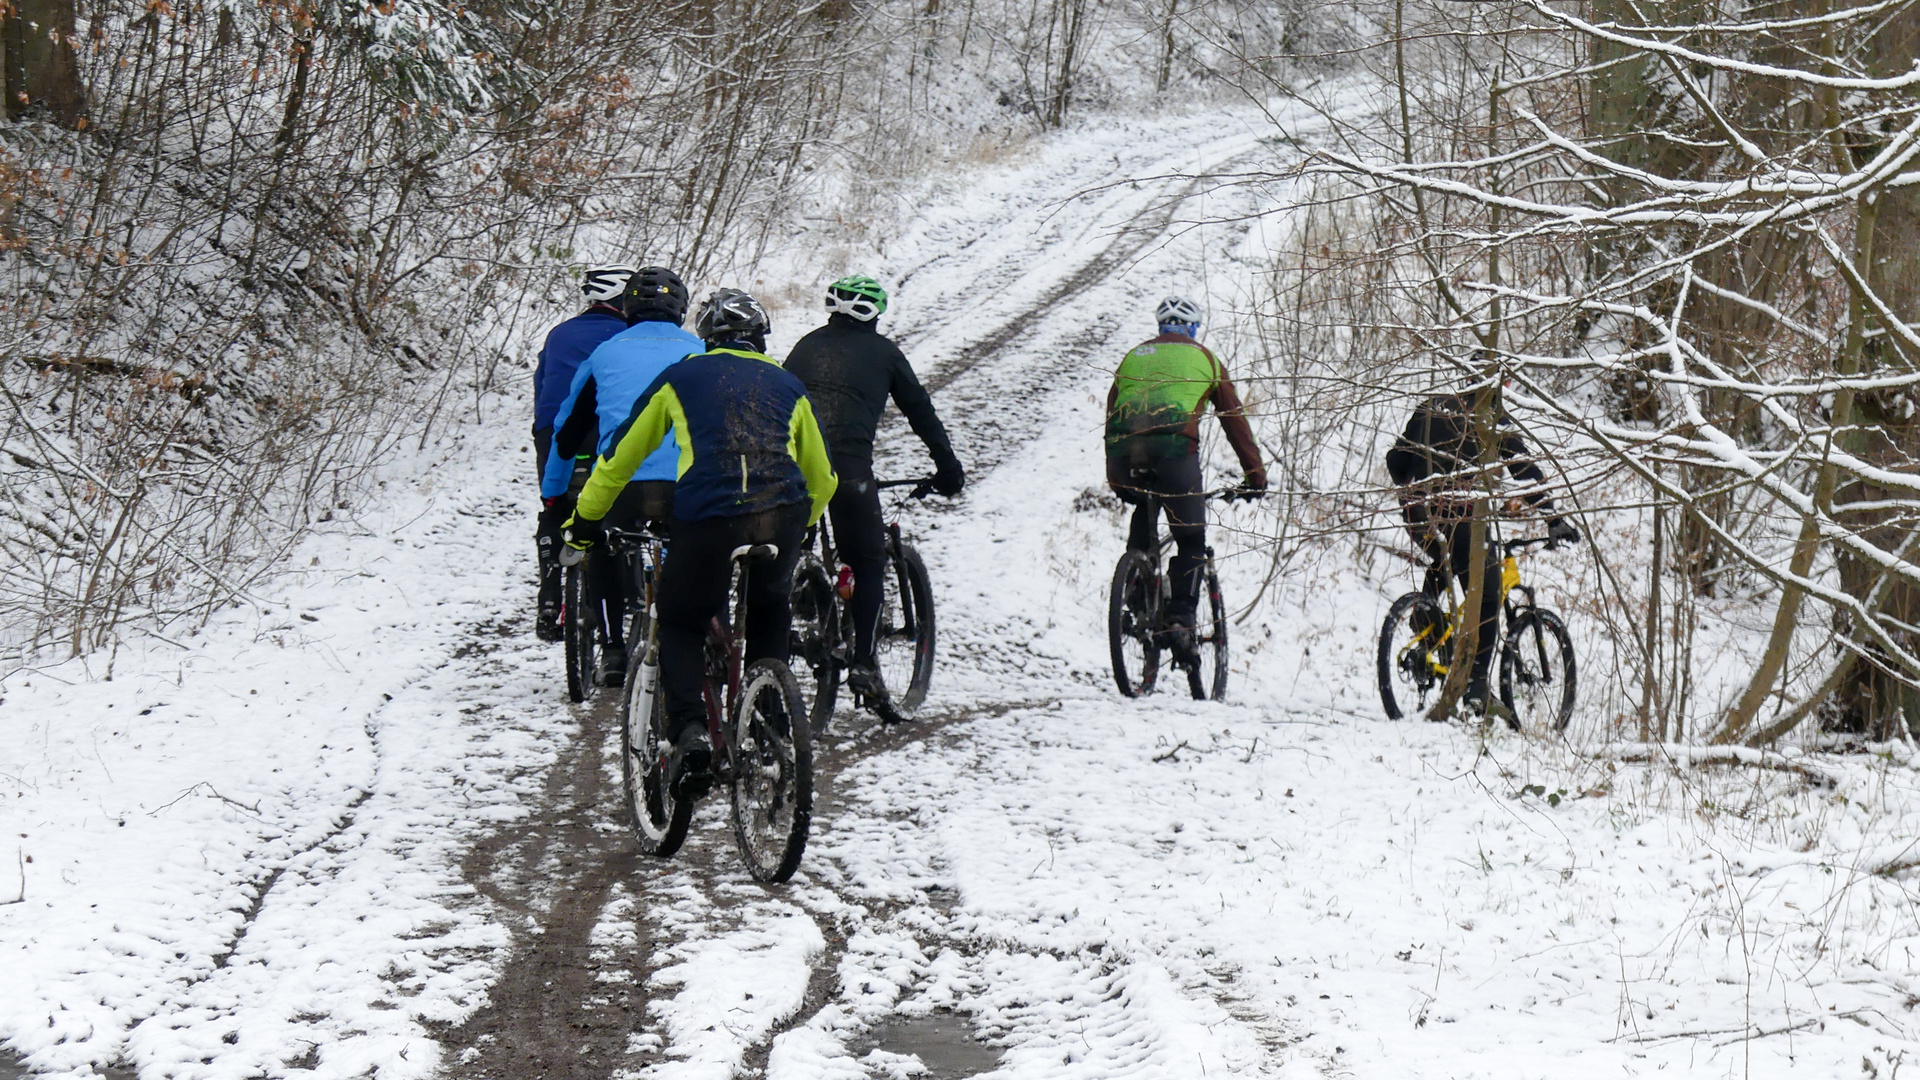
[(1177, 311), (604, 284)]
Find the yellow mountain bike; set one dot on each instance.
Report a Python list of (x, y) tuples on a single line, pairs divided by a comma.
[(1537, 679)]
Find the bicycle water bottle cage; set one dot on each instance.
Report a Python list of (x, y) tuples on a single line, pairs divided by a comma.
[(571, 556), (756, 552)]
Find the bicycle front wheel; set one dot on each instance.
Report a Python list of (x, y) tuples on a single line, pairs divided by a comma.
[(816, 623), (1415, 649), (903, 640), (659, 820), (1537, 679), (581, 618), (772, 771), (1133, 614), (1210, 638)]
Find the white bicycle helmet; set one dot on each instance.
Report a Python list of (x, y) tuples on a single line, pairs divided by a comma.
[(1177, 310), (604, 284)]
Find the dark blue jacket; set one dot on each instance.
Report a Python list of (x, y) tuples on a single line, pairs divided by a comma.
[(748, 441), (568, 344)]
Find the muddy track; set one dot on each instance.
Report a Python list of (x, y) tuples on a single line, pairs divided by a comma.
[(551, 1015), (549, 879)]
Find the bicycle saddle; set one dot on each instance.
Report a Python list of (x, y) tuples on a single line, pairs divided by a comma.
[(756, 552)]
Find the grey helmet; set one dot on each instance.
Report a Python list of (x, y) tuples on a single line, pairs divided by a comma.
[(731, 315)]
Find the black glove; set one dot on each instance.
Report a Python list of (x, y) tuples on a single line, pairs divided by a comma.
[(1251, 487), (948, 479), (583, 533), (1561, 531), (554, 513)]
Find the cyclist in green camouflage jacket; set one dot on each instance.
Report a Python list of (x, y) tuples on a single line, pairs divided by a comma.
[(1159, 393)]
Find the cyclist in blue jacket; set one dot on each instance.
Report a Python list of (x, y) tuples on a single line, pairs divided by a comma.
[(566, 346), (602, 395)]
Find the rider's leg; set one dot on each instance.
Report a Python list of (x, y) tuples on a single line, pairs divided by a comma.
[(629, 509), (770, 584), (860, 531), (1460, 548), (1179, 488), (693, 589), (546, 535)]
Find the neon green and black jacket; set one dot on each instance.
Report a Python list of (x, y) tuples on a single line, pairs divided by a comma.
[(748, 440), (1159, 394)]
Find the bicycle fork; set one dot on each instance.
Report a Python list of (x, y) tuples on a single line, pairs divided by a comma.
[(649, 681)]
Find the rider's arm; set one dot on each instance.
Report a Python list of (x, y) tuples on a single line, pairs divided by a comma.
[(1233, 420), (917, 406), (573, 425), (645, 429), (809, 451), (1521, 466)]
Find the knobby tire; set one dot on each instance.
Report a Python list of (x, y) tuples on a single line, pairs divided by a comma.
[(1538, 682), (581, 630), (771, 771), (1133, 616)]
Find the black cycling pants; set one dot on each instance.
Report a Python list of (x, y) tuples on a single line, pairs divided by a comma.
[(860, 540), (693, 589), (640, 501), (1176, 480), (1447, 539)]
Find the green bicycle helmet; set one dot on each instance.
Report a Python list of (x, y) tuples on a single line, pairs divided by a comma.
[(857, 295)]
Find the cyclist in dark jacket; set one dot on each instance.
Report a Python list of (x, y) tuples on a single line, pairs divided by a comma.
[(1436, 465), (567, 345), (753, 469), (850, 369), (1159, 393)]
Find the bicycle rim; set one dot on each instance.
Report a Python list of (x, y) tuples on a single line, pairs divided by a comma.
[(1133, 612), (772, 772), (903, 640), (1411, 666), (1208, 679), (816, 620), (658, 820), (581, 633), (1537, 678)]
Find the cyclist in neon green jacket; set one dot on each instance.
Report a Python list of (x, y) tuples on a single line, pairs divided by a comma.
[(1159, 394), (753, 470)]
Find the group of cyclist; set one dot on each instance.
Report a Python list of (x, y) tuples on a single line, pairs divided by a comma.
[(714, 443)]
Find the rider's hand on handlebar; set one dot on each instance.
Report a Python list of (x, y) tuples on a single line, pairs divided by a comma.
[(582, 533), (1251, 487), (1561, 531), (949, 479)]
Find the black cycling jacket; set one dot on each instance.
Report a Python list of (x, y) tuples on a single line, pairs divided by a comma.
[(1438, 451), (850, 369)]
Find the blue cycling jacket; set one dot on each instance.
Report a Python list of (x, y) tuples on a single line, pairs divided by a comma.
[(567, 345), (602, 396)]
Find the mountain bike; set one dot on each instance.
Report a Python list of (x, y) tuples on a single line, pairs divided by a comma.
[(1537, 676), (903, 640), (1138, 619), (757, 722)]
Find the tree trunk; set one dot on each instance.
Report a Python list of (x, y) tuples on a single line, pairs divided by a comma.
[(42, 75)]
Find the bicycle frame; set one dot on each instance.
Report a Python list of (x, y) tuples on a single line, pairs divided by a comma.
[(1510, 584)]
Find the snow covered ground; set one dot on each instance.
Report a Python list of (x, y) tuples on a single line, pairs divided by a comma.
[(252, 852)]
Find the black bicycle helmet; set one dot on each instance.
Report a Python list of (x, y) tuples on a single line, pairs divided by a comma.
[(655, 293), (731, 315)]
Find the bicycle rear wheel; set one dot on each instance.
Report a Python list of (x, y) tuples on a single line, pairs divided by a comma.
[(1133, 613), (1210, 637), (812, 641), (903, 640), (1537, 680), (772, 771), (1415, 650), (580, 617), (659, 820)]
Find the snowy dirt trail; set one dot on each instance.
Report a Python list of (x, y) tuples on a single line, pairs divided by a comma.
[(359, 833)]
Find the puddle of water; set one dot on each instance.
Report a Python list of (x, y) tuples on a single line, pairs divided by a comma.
[(943, 1042)]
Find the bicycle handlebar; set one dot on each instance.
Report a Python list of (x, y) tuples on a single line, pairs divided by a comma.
[(922, 486)]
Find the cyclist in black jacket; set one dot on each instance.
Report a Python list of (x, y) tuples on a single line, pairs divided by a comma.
[(1436, 465), (850, 369)]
